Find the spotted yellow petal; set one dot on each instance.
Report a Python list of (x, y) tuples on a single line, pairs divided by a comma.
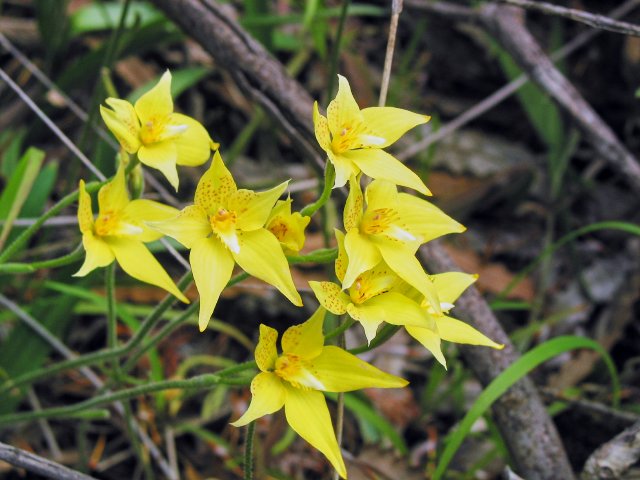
[(429, 340), (98, 254), (212, 265), (193, 144), (123, 122), (456, 331), (344, 167), (215, 186), (330, 296), (308, 415), (267, 396), (138, 262), (370, 319), (253, 208), (188, 226), (393, 308), (381, 194), (379, 164), (161, 156), (306, 339), (142, 211), (157, 102), (113, 196), (342, 261), (362, 253), (390, 123), (321, 128), (343, 111), (260, 255), (354, 205), (450, 285), (85, 214), (424, 219), (266, 352)]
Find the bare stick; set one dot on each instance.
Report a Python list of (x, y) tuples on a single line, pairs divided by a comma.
[(615, 457), (396, 9), (38, 465), (592, 19)]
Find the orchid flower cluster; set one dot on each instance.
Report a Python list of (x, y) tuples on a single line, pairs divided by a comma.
[(379, 278)]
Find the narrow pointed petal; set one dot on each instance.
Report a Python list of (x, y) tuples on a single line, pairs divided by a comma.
[(321, 128), (343, 111), (345, 169), (429, 340), (330, 296), (157, 102), (138, 262), (456, 331), (122, 121), (260, 255), (408, 268), (354, 205), (212, 265), (394, 308), (113, 196), (450, 285), (308, 415), (267, 396), (163, 157), (98, 254), (194, 144), (363, 255), (306, 339), (425, 219), (342, 261), (390, 123), (340, 371), (370, 319), (215, 186), (266, 353), (377, 163), (190, 225), (141, 211), (253, 208), (85, 214)]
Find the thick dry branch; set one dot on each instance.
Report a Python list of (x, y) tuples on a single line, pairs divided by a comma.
[(535, 444), (592, 19), (38, 465), (615, 457)]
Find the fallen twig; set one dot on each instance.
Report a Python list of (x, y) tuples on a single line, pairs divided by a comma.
[(615, 457)]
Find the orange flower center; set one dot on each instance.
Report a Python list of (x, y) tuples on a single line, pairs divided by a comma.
[(378, 221), (107, 223)]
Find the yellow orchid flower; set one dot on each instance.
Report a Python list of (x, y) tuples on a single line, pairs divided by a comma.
[(119, 233), (296, 379), (354, 139), (373, 298), (391, 228), (226, 226), (287, 227), (161, 138), (449, 287)]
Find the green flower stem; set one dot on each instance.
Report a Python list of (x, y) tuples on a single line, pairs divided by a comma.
[(321, 255), (24, 237), (343, 327), (68, 259), (112, 319), (329, 180), (248, 451), (200, 382), (383, 335), (335, 54)]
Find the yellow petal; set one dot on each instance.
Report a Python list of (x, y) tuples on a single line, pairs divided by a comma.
[(408, 268), (212, 265), (266, 353), (424, 219), (157, 102), (163, 157), (381, 194), (429, 340), (377, 163), (450, 285), (330, 296), (253, 208), (215, 186), (141, 211), (453, 330), (342, 261), (194, 144), (260, 255), (370, 319), (267, 396), (343, 111), (123, 122), (390, 123), (340, 371), (354, 205), (362, 254), (113, 196), (393, 308), (85, 214), (345, 169), (190, 225), (308, 415), (137, 261), (98, 254), (306, 339), (289, 230), (321, 128)]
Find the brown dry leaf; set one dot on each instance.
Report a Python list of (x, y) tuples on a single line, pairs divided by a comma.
[(375, 463), (135, 72), (397, 405)]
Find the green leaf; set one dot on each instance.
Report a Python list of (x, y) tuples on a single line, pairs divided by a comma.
[(181, 80), (106, 15)]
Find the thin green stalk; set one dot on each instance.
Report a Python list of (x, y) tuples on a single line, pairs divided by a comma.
[(112, 319), (340, 406), (343, 327), (335, 54), (67, 259), (248, 451), (329, 180), (383, 335)]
